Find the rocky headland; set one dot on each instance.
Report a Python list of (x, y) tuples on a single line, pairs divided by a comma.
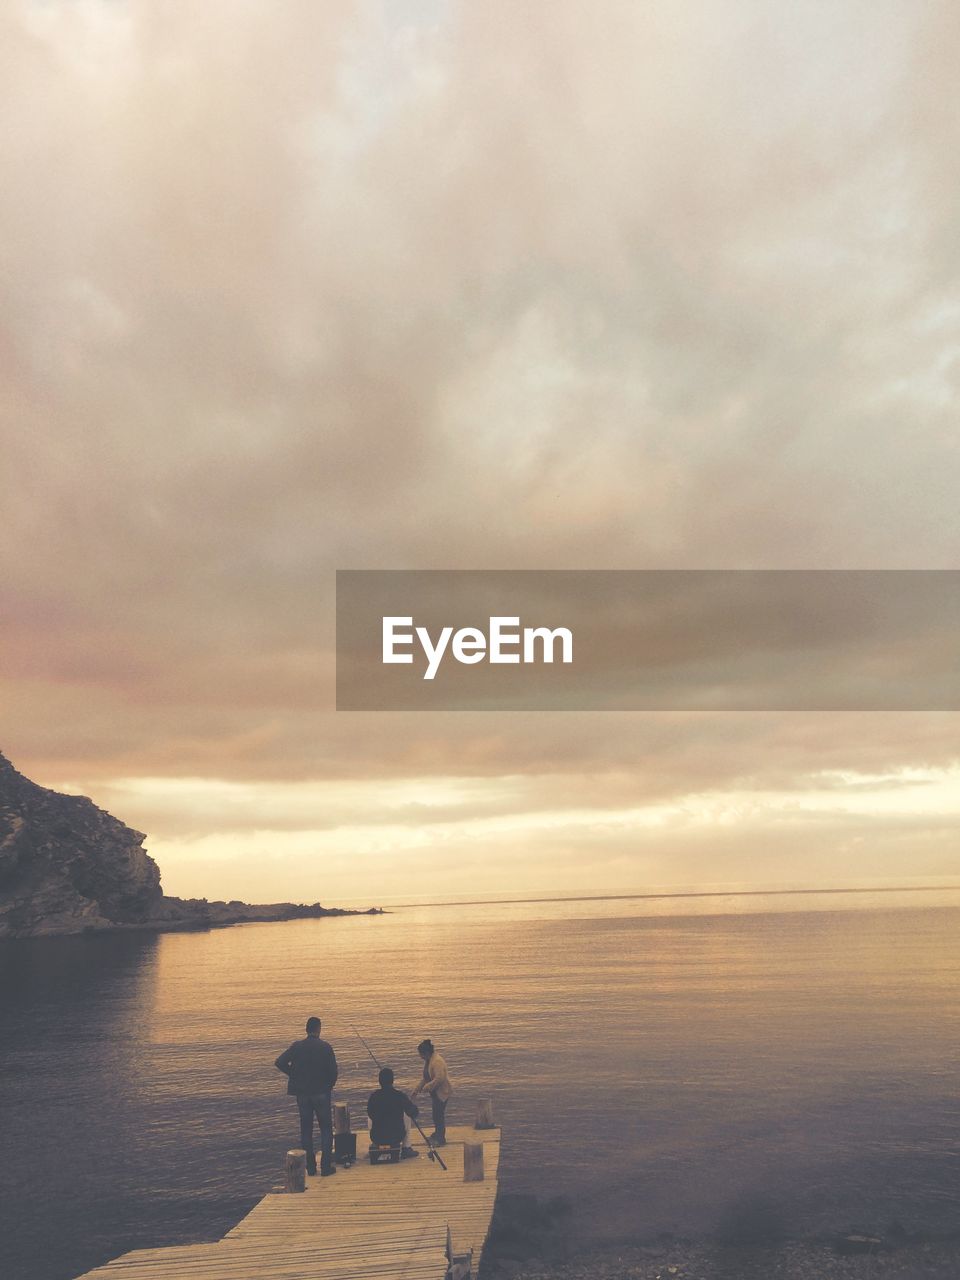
[(67, 866)]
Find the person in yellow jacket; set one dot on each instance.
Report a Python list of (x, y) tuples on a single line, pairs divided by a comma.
[(436, 1082)]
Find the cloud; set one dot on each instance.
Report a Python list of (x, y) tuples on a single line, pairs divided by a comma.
[(303, 287)]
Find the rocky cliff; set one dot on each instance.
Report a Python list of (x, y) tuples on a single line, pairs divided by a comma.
[(65, 865), (68, 867)]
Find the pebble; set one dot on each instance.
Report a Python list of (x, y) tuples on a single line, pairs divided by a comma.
[(792, 1261)]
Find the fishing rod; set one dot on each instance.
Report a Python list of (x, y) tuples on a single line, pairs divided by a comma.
[(432, 1152)]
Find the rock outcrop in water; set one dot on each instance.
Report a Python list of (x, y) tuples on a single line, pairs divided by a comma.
[(68, 867)]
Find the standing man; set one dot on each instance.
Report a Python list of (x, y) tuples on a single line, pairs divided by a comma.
[(436, 1082), (311, 1066)]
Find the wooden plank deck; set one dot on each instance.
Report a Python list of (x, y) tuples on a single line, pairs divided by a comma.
[(389, 1221)]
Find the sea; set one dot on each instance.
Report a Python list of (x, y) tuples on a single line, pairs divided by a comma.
[(663, 1063)]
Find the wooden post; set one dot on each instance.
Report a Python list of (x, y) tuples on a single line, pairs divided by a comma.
[(473, 1162), (458, 1264), (461, 1267), (295, 1170), (341, 1117), (485, 1118)]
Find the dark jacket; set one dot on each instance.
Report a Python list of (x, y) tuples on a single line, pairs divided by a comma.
[(386, 1109), (311, 1065)]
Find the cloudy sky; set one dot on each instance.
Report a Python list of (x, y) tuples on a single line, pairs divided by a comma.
[(292, 287)]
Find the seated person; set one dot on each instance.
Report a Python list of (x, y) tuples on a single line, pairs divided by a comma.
[(386, 1108)]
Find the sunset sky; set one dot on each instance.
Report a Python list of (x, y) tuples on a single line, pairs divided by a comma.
[(303, 286)]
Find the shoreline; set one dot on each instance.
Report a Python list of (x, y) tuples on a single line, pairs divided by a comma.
[(533, 1239), (188, 915), (205, 926), (712, 1260), (562, 1254)]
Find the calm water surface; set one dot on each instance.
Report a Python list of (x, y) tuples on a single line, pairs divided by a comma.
[(658, 1061)]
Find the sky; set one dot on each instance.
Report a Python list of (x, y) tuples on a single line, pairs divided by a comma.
[(292, 288)]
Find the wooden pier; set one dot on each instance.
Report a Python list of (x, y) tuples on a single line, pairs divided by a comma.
[(404, 1221)]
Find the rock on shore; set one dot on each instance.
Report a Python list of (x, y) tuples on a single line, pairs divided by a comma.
[(67, 866)]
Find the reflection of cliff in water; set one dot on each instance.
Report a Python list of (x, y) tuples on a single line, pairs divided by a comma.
[(74, 1034)]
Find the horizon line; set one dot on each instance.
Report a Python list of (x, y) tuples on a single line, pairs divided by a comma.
[(690, 893)]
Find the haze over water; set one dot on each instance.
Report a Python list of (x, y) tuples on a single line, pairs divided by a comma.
[(658, 1061)]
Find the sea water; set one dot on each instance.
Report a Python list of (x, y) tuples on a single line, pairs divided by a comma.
[(662, 1063)]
